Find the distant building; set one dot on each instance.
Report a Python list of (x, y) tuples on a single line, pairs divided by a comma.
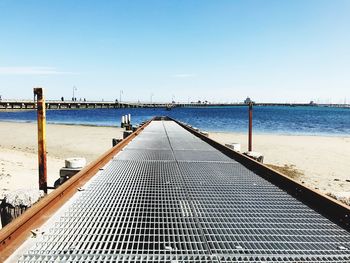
[(312, 102), (248, 100)]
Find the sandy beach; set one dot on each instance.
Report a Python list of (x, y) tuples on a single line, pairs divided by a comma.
[(18, 150), (321, 161)]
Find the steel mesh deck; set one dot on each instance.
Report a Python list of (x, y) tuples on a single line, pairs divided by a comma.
[(170, 197)]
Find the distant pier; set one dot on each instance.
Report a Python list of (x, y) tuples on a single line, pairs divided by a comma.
[(54, 104), (24, 105)]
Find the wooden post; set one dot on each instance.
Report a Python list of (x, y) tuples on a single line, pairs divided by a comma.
[(41, 110), (250, 139)]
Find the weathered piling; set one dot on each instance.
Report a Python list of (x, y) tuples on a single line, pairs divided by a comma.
[(122, 122), (41, 111), (16, 202)]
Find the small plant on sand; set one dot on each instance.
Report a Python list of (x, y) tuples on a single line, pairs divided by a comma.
[(289, 170)]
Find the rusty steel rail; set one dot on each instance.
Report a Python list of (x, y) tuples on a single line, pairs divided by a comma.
[(15, 233), (333, 209), (250, 127)]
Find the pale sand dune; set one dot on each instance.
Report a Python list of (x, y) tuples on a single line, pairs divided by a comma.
[(18, 147), (324, 161)]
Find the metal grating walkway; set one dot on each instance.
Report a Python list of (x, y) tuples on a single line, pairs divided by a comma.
[(170, 197)]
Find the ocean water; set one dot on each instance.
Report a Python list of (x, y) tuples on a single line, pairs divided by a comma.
[(274, 119)]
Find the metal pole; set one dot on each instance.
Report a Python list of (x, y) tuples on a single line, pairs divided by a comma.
[(250, 139), (74, 89), (41, 110)]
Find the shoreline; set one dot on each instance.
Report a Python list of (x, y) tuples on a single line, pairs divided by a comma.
[(59, 123), (208, 130), (283, 134)]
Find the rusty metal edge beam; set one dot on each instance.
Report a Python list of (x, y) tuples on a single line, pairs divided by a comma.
[(15, 233), (331, 208)]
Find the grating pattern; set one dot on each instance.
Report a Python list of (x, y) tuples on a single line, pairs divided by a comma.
[(207, 156), (160, 200), (144, 155)]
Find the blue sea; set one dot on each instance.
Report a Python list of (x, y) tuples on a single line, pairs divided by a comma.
[(274, 119)]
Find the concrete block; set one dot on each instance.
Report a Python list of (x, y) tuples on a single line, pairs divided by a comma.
[(66, 173), (234, 146), (72, 167), (205, 133), (256, 156)]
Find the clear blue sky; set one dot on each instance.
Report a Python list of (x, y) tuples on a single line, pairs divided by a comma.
[(214, 50)]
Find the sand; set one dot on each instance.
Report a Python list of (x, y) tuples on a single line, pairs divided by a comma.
[(18, 150), (322, 161)]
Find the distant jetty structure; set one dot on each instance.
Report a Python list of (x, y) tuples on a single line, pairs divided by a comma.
[(57, 104)]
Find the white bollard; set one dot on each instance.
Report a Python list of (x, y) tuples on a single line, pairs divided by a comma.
[(76, 162), (129, 118), (72, 167), (123, 119)]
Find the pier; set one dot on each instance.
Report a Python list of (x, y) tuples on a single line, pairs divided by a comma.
[(167, 193), (56, 104)]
